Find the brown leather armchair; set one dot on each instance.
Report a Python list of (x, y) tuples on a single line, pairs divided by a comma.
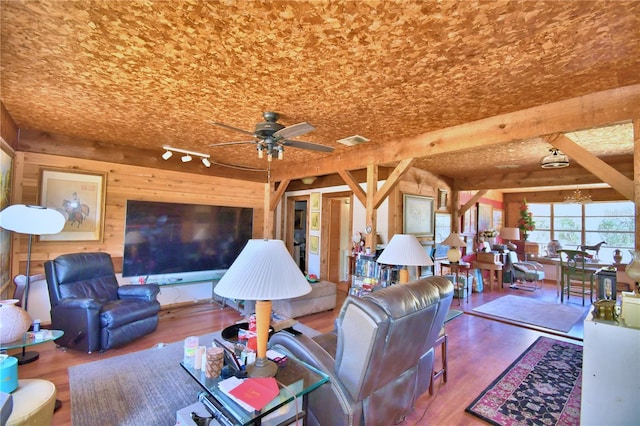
[(94, 312), (379, 357)]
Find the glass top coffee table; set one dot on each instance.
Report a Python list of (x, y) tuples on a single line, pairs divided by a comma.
[(295, 378), (30, 338)]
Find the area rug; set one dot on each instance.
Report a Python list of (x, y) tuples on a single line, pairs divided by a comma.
[(542, 387), (553, 316), (141, 388)]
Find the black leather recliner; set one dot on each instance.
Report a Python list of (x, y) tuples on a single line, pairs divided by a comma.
[(94, 312)]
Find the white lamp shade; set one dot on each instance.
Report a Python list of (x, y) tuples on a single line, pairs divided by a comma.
[(404, 249), (510, 234), (264, 270), (34, 220), (453, 240)]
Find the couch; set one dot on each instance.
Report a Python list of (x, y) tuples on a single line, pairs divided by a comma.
[(322, 297), (94, 312), (379, 357)]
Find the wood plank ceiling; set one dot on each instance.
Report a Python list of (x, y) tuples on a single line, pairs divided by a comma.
[(117, 80)]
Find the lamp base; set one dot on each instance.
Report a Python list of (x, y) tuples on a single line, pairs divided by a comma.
[(263, 367), (26, 357)]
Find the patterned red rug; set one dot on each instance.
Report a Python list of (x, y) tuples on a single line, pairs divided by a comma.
[(542, 387)]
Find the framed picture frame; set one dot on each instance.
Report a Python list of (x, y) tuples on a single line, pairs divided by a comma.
[(497, 220), (315, 221), (314, 244), (6, 166), (484, 217), (78, 195), (315, 201), (418, 215), (442, 199)]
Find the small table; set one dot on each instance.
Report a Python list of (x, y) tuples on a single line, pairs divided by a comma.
[(455, 268), (491, 267), (29, 339), (298, 377)]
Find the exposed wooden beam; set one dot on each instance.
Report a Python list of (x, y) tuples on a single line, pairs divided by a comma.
[(636, 176), (575, 174), (476, 197), (353, 184), (392, 181), (584, 112), (53, 144), (277, 195), (599, 168), (371, 212)]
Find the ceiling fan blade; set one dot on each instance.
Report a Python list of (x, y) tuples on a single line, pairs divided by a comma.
[(306, 145), (232, 143), (215, 123), (294, 130)]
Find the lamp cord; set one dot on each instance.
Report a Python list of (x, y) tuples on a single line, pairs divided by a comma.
[(295, 399)]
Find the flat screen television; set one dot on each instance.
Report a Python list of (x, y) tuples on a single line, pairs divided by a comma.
[(169, 243)]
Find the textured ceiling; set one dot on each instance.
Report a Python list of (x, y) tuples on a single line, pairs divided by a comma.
[(150, 73)]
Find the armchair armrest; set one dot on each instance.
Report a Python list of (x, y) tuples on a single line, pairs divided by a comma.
[(134, 291), (72, 303)]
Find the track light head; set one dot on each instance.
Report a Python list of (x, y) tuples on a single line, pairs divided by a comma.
[(186, 158), (206, 162), (168, 154)]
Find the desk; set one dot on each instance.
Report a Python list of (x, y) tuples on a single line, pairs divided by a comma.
[(491, 267), (455, 268), (298, 376)]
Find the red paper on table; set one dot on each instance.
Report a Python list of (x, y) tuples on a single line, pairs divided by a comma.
[(256, 391)]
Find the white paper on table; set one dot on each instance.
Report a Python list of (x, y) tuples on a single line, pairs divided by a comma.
[(227, 385)]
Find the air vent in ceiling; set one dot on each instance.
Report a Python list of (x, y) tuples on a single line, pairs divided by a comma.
[(353, 140)]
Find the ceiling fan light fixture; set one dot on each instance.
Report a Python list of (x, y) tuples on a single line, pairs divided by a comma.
[(280, 152), (555, 160)]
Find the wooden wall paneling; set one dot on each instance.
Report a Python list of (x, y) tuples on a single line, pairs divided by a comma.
[(636, 176), (124, 182)]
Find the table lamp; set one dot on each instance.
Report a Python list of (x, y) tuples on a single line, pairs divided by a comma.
[(31, 220), (263, 271), (454, 241), (404, 250), (510, 235)]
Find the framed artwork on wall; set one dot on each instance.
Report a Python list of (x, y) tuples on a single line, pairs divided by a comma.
[(418, 214), (469, 221), (314, 244), (79, 196), (6, 166), (315, 201), (442, 199), (497, 219), (315, 221), (484, 217)]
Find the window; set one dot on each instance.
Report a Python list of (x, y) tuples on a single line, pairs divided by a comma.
[(573, 225)]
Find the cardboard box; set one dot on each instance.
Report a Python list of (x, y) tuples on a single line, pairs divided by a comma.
[(183, 416)]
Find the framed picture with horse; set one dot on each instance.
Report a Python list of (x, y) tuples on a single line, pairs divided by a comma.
[(79, 196)]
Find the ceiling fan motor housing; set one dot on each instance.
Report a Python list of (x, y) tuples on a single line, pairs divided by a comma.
[(267, 129)]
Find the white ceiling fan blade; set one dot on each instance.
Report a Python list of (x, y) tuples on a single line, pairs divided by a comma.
[(215, 123), (294, 130), (306, 145)]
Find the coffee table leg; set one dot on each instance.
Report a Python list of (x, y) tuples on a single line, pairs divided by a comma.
[(26, 357)]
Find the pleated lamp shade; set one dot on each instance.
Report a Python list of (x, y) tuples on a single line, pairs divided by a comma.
[(264, 270), (405, 249)]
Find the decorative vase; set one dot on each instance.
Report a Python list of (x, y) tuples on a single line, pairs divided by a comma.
[(14, 321), (633, 268), (617, 256)]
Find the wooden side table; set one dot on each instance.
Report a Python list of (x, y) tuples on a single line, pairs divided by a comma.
[(455, 268), (492, 268)]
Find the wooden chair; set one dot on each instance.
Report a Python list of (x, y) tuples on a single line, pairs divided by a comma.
[(574, 275), (442, 340)]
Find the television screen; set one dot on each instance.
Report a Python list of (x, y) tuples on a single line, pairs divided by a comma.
[(164, 241)]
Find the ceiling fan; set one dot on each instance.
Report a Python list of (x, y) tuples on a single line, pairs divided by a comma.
[(272, 137)]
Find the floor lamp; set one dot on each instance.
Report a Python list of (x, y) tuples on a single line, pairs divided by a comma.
[(263, 271), (404, 250), (30, 220)]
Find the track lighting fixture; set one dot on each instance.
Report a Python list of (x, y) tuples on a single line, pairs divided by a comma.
[(188, 155)]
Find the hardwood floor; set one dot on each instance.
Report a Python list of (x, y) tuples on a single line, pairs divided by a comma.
[(479, 350)]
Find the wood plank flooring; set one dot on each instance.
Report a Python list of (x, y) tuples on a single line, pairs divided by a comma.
[(479, 350)]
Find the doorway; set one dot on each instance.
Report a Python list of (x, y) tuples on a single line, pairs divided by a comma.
[(336, 235), (297, 230)]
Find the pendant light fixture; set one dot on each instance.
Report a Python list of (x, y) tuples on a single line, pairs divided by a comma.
[(555, 160)]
